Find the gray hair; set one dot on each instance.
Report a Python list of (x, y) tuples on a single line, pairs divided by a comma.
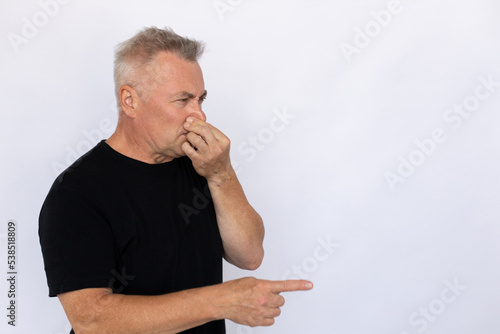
[(136, 55)]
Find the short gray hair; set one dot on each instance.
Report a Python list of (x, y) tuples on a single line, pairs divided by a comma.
[(139, 51)]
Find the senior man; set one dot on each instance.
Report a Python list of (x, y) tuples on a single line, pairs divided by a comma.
[(125, 245)]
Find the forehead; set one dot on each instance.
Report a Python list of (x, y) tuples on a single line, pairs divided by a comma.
[(178, 73)]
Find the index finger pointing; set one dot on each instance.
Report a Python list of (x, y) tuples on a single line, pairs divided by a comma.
[(291, 285)]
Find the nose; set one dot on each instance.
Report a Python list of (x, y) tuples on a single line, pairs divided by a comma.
[(197, 112)]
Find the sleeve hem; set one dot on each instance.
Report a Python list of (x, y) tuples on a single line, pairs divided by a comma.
[(84, 283)]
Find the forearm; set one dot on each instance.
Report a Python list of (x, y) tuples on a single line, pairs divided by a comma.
[(240, 226), (246, 301), (169, 313)]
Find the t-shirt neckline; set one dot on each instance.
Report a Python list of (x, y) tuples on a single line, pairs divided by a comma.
[(134, 162)]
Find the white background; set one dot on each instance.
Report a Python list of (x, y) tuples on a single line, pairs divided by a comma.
[(318, 177)]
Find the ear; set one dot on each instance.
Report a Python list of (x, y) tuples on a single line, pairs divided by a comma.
[(128, 100)]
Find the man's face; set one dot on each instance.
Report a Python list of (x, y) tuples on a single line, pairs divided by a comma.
[(175, 92)]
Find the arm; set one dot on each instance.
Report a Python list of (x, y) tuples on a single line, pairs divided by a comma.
[(247, 301), (240, 226), (98, 310)]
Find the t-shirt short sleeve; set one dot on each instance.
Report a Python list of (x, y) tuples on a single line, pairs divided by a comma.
[(77, 243)]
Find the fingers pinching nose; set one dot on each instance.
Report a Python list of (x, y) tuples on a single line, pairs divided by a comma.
[(188, 122)]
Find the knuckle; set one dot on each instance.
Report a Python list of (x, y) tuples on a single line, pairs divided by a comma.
[(205, 130), (262, 301), (257, 314), (219, 150), (262, 285), (248, 281)]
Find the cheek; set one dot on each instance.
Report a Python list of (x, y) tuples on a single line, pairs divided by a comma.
[(166, 123), (170, 126)]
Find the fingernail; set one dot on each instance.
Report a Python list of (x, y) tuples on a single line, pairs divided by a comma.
[(309, 285), (190, 120), (187, 124)]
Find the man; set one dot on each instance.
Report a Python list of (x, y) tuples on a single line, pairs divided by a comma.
[(134, 232)]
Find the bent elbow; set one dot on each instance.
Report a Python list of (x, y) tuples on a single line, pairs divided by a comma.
[(253, 266), (255, 262), (87, 309)]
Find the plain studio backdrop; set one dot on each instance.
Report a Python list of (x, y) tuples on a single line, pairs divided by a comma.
[(364, 132)]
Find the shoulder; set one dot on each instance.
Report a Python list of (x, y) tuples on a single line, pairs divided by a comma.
[(80, 182), (90, 166)]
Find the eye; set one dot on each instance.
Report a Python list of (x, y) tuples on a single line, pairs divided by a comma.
[(183, 100), (200, 101)]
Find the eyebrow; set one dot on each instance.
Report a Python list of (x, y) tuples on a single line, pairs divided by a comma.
[(191, 95)]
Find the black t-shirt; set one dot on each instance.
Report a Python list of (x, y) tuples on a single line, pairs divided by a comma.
[(138, 228)]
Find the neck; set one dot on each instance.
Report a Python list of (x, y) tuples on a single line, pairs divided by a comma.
[(124, 142)]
